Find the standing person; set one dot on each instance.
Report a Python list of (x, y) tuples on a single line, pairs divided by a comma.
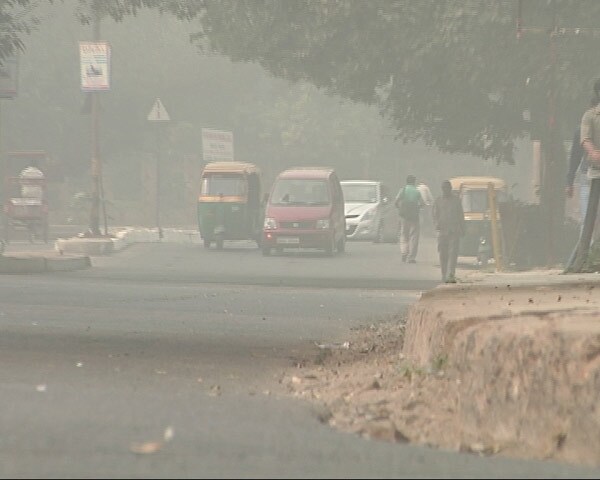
[(427, 204), (590, 141), (449, 222), (578, 166), (409, 202)]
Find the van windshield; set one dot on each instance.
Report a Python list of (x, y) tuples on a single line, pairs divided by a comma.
[(223, 184), (288, 191), (359, 193)]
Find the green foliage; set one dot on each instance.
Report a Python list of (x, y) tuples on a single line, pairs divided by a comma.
[(15, 20), (451, 73)]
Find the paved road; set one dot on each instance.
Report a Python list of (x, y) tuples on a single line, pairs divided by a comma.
[(93, 362)]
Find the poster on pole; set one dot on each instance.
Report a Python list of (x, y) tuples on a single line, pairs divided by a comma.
[(8, 77), (217, 145), (95, 66)]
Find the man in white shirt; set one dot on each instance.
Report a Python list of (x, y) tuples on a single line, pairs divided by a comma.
[(426, 221)]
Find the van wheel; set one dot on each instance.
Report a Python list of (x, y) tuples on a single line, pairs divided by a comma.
[(341, 245)]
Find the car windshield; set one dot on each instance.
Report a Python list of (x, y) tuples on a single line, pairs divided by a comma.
[(288, 191), (360, 193), (223, 184)]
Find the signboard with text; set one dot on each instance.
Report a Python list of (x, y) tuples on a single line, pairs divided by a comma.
[(217, 145), (8, 78), (95, 66)]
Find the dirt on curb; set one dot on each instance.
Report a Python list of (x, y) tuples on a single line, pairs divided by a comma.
[(519, 380)]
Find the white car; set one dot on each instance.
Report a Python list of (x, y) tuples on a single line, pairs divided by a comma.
[(370, 212)]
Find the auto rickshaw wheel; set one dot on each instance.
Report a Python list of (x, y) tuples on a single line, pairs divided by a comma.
[(483, 259)]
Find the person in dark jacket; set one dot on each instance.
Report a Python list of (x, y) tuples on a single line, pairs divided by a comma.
[(449, 222)]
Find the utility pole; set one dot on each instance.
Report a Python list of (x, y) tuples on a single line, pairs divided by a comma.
[(96, 163), (159, 116)]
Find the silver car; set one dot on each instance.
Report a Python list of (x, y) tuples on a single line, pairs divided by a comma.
[(370, 212)]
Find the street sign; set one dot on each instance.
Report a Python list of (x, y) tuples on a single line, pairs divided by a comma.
[(94, 66), (158, 113), (217, 145)]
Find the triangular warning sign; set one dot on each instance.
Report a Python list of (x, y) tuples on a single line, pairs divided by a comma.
[(158, 113)]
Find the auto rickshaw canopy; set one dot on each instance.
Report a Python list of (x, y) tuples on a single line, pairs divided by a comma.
[(230, 167), (475, 182)]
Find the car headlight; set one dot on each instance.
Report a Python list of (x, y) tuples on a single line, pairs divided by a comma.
[(270, 223), (369, 214), (323, 223)]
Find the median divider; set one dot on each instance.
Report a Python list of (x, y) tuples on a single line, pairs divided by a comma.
[(27, 264)]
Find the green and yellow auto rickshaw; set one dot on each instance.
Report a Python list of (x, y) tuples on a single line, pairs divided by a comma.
[(230, 203), (475, 197)]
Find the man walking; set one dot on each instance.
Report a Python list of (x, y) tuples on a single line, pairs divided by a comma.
[(449, 222), (428, 200), (409, 202)]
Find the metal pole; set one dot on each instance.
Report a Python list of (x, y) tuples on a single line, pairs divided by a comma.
[(3, 173), (96, 164), (495, 231), (160, 233)]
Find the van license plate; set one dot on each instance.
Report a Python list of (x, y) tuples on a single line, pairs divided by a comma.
[(288, 240)]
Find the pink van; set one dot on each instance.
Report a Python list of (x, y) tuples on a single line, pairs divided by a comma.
[(305, 210)]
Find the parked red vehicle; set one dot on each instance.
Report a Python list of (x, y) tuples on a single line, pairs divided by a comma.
[(305, 209)]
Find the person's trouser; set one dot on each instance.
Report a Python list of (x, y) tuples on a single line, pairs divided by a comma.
[(409, 238), (448, 250), (584, 195)]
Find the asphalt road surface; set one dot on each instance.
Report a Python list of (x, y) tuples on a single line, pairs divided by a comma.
[(165, 360)]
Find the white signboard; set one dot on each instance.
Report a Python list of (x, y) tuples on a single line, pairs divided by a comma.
[(95, 66), (217, 145), (158, 113), (8, 78)]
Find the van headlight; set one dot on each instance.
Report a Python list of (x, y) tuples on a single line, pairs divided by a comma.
[(270, 223), (323, 223), (369, 214)]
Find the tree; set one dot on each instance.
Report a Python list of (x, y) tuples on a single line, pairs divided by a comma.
[(15, 20)]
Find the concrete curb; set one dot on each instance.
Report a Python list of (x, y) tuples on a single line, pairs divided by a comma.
[(32, 264), (122, 239)]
